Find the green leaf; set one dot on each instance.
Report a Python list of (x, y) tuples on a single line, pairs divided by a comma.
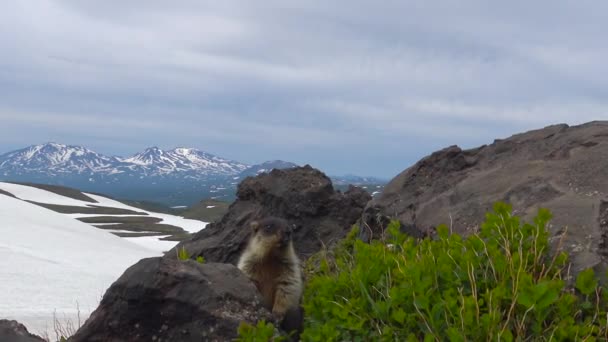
[(507, 336), (399, 315), (526, 299), (586, 305), (422, 302), (454, 335), (547, 298), (586, 282), (443, 232)]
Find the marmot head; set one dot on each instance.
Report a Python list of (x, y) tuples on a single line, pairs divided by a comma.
[(272, 233)]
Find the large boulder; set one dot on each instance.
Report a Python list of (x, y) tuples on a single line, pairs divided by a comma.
[(303, 196), (163, 299), (13, 331), (562, 168), (170, 300)]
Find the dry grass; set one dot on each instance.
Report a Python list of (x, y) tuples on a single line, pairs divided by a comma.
[(63, 327)]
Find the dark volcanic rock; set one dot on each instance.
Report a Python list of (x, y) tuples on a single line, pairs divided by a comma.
[(559, 167), (304, 196), (169, 300), (163, 299), (13, 331)]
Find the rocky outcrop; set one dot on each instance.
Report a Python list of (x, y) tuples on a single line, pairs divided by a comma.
[(303, 196), (163, 299), (559, 167), (13, 331), (170, 300)]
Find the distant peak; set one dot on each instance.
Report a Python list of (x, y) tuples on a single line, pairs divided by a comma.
[(155, 150)]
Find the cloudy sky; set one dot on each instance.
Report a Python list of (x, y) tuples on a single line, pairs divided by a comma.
[(363, 87)]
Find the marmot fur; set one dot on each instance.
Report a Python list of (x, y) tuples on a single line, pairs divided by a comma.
[(270, 261)]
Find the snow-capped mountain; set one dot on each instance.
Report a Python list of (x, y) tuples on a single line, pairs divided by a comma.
[(159, 162), (180, 176), (52, 158)]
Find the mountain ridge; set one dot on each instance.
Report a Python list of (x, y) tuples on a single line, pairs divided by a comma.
[(153, 161), (178, 176)]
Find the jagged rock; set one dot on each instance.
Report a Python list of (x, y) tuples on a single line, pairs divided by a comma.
[(13, 331), (303, 195), (559, 167), (170, 300), (163, 299)]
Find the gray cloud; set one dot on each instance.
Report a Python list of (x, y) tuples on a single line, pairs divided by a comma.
[(348, 86)]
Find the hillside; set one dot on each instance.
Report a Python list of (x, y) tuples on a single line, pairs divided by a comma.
[(75, 261), (159, 231), (206, 210), (561, 167), (489, 272)]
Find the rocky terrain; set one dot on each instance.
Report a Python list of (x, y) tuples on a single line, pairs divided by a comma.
[(163, 299), (171, 300), (559, 167), (304, 196), (13, 331)]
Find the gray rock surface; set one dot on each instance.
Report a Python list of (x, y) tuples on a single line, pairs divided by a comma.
[(170, 300), (562, 168), (303, 196), (13, 331)]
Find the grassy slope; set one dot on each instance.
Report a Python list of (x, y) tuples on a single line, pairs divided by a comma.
[(2, 192), (61, 190), (121, 219), (151, 206), (133, 225), (200, 211), (66, 209)]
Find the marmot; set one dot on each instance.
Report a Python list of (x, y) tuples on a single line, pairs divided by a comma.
[(270, 261)]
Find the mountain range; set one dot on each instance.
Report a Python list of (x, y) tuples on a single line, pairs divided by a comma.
[(180, 176)]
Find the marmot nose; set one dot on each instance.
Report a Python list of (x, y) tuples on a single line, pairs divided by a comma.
[(285, 238)]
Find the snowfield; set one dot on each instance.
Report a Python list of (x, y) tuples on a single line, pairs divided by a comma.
[(50, 262), (30, 193), (191, 226), (153, 242)]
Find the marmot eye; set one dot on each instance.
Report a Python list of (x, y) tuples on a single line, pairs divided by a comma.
[(267, 228)]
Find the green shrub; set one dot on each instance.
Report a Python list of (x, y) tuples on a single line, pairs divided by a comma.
[(183, 255), (501, 284), (262, 332)]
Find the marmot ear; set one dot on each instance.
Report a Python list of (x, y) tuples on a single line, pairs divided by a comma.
[(255, 225)]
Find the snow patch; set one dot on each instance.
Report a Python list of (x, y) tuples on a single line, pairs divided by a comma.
[(51, 262), (153, 242), (30, 193)]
